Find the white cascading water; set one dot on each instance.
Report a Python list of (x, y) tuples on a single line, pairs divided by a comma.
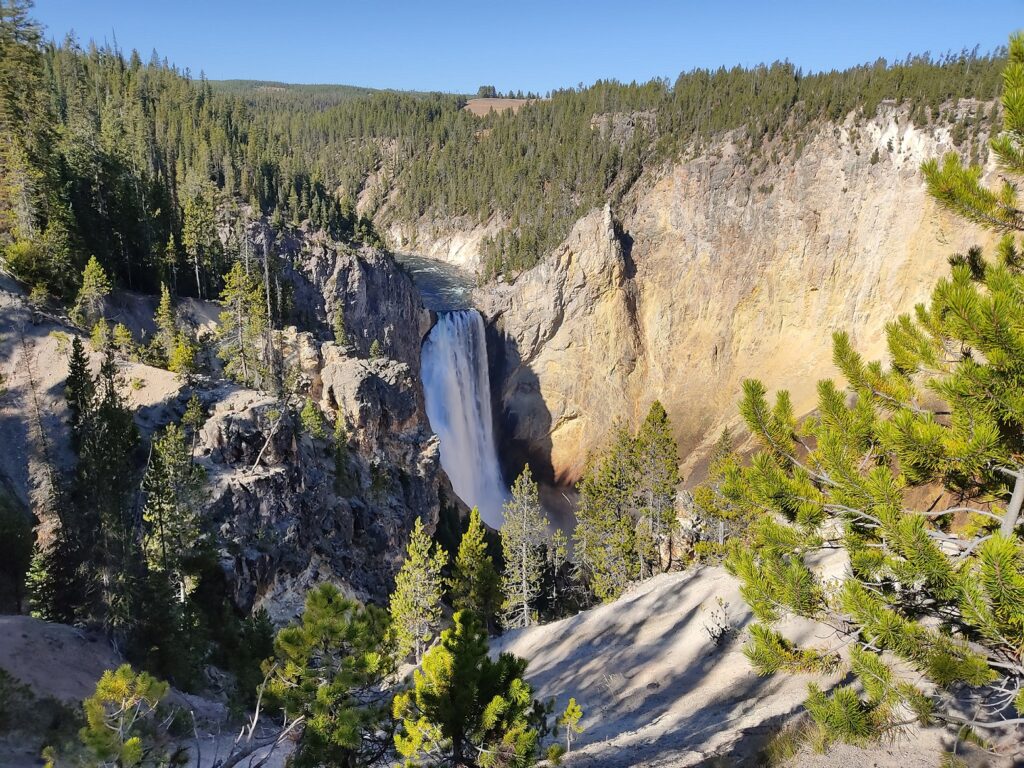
[(457, 388)]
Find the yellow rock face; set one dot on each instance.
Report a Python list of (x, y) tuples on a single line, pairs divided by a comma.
[(716, 274)]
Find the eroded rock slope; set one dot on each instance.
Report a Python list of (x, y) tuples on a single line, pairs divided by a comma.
[(717, 268)]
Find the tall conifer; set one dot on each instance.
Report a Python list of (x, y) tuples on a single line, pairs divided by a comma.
[(523, 539), (416, 602), (474, 584)]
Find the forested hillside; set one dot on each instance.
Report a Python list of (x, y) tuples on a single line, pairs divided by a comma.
[(137, 163)]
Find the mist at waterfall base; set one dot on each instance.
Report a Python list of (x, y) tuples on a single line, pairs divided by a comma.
[(453, 363)]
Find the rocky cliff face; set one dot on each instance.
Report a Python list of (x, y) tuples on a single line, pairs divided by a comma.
[(378, 300), (286, 511), (715, 272), (289, 515)]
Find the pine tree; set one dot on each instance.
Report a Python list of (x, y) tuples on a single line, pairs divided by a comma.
[(192, 421), (94, 290), (416, 602), (183, 357), (24, 123), (656, 468), (465, 710), (959, 187), (570, 721), (122, 340), (943, 597), (102, 520), (79, 389), (100, 337), (116, 716), (474, 584), (340, 335), (166, 337), (605, 536), (199, 235), (523, 539), (170, 262), (722, 516), (332, 667), (312, 420), (242, 325), (173, 484)]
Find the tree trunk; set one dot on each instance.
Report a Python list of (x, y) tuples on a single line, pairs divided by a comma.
[(199, 285), (1013, 510)]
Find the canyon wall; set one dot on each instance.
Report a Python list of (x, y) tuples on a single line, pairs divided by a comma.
[(711, 272), (285, 511)]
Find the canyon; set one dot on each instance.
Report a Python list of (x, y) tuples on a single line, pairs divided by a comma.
[(714, 268)]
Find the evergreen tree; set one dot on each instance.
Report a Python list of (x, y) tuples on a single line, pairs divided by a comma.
[(656, 467), (340, 335), (605, 536), (570, 721), (183, 357), (16, 550), (95, 288), (166, 337), (474, 584), (103, 521), (332, 667), (79, 389), (173, 484), (312, 420), (100, 338), (523, 538), (199, 235), (941, 597), (242, 326), (465, 710), (25, 125), (416, 602), (117, 714), (170, 263), (122, 341), (959, 188), (723, 517)]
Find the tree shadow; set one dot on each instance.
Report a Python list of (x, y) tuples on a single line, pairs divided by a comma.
[(654, 687)]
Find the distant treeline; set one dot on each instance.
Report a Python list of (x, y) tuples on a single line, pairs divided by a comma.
[(134, 161)]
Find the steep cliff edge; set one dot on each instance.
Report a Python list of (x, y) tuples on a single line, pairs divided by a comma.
[(719, 269), (286, 512)]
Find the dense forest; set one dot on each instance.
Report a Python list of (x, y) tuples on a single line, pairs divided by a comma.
[(138, 163)]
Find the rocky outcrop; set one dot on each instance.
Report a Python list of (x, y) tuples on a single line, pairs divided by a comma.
[(376, 297), (720, 268), (455, 241), (565, 328), (290, 514), (283, 516)]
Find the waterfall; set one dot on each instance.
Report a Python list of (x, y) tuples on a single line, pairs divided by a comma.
[(458, 393)]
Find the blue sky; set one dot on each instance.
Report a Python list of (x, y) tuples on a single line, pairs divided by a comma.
[(458, 45)]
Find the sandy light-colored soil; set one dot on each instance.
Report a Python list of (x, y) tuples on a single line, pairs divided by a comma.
[(481, 107), (54, 660), (61, 663), (656, 691)]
